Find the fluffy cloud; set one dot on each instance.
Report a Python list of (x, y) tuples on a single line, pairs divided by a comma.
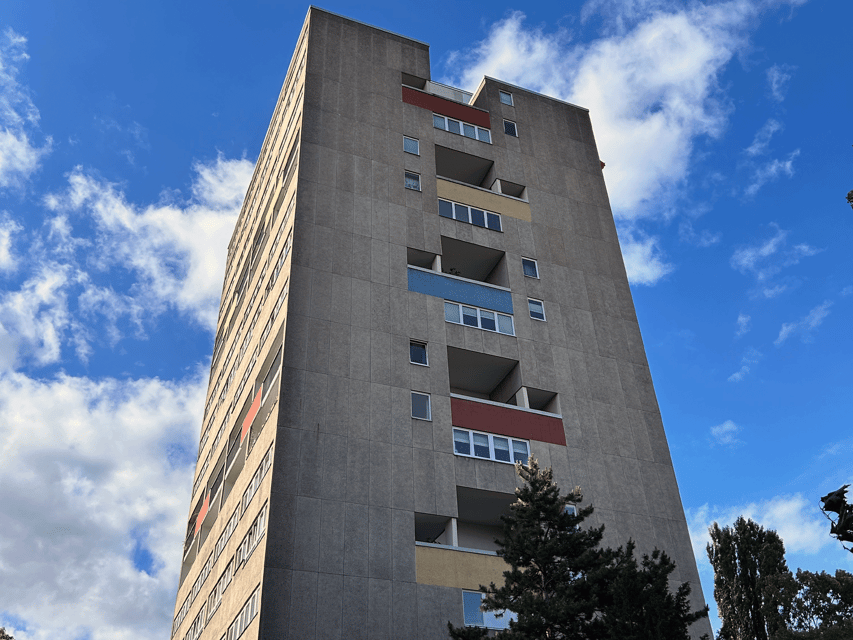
[(174, 248), (804, 328), (95, 473), (8, 229), (644, 261), (650, 82), (800, 525), (19, 155)]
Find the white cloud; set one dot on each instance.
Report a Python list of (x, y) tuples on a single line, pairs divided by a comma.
[(726, 433), (805, 327), (769, 257), (644, 261), (703, 239), (8, 228), (175, 249), (797, 520), (92, 471), (778, 77), (19, 155), (749, 360), (650, 84), (762, 137), (770, 171), (743, 321)]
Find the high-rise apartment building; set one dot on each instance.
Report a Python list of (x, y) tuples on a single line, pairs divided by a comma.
[(423, 286)]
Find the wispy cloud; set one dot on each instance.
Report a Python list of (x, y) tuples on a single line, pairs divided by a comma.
[(762, 137), (749, 360), (771, 171), (806, 327), (778, 77), (20, 156), (703, 238), (726, 433), (743, 321), (770, 256), (8, 229)]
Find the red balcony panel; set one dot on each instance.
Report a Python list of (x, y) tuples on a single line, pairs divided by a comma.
[(506, 421), (253, 411), (201, 514), (447, 107)]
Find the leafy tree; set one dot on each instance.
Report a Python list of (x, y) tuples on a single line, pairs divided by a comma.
[(751, 580), (821, 607), (4, 635), (562, 585)]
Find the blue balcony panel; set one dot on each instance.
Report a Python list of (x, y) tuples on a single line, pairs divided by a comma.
[(447, 287)]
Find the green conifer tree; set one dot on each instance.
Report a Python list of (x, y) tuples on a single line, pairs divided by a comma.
[(561, 585)]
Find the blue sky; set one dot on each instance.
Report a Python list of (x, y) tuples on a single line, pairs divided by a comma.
[(127, 138)]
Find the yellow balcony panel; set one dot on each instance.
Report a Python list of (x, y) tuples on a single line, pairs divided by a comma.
[(484, 199), (458, 568)]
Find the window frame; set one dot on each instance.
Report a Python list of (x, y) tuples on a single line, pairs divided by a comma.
[(530, 310), (491, 436), (428, 406), (407, 175), (514, 128), (479, 325), (498, 620), (502, 93), (426, 353), (462, 124), (417, 145), (489, 216), (535, 267)]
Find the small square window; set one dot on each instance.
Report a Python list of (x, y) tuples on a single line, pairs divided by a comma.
[(520, 451), (451, 312), (478, 217), (438, 122), (571, 509), (530, 268), (461, 442), (484, 135), (469, 317), (420, 406), (411, 145), (462, 213), (418, 353), (469, 131), (413, 181), (506, 97), (454, 126), (537, 309), (510, 128), (445, 209)]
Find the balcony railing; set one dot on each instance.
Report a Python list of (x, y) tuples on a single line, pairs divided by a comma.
[(458, 289), (506, 420)]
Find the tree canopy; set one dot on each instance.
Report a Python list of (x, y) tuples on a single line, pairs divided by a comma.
[(562, 585)]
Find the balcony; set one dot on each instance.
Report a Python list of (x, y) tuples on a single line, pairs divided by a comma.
[(459, 289), (487, 395), (460, 552)]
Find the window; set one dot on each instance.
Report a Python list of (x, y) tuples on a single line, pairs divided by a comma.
[(476, 617), (413, 181), (469, 215), (479, 318), (420, 406), (461, 128), (411, 145), (571, 509), (487, 446), (246, 615), (530, 268), (506, 98), (537, 309), (510, 128), (418, 353)]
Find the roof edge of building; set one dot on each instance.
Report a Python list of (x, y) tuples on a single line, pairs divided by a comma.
[(515, 86), (372, 26)]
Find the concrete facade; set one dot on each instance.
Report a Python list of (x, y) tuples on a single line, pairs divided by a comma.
[(322, 508)]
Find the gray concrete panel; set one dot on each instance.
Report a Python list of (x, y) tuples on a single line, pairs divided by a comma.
[(356, 535), (358, 471), (355, 608), (332, 524), (306, 537), (379, 543)]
